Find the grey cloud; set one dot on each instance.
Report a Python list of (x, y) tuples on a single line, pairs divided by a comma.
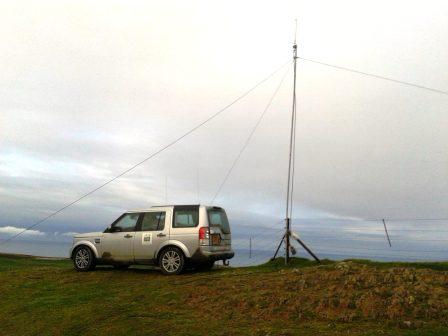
[(83, 98)]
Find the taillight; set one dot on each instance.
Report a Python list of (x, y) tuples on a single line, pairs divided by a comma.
[(204, 236)]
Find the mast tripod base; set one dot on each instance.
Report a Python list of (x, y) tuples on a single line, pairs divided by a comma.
[(296, 237)]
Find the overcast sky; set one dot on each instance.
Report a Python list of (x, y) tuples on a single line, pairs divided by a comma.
[(87, 89)]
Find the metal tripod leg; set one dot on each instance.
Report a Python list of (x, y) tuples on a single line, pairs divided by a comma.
[(278, 248), (306, 247)]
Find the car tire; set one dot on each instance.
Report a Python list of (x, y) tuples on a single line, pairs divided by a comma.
[(83, 259), (171, 261)]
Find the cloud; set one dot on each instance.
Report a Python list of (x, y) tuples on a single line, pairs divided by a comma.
[(72, 120), (69, 234), (12, 230)]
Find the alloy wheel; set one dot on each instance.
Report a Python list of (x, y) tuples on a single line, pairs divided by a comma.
[(171, 261), (82, 258)]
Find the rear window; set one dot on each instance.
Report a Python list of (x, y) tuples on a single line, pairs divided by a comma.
[(186, 218), (218, 217)]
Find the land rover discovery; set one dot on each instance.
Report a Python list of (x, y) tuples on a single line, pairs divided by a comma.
[(171, 237)]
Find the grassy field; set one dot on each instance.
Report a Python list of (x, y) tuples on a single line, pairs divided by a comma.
[(47, 297)]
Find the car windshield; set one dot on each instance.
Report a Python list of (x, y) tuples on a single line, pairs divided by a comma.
[(218, 217)]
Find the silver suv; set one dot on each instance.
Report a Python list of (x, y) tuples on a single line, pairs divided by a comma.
[(171, 237)]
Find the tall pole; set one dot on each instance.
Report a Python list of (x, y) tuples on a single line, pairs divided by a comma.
[(290, 187), (197, 185), (387, 233), (166, 189), (250, 247)]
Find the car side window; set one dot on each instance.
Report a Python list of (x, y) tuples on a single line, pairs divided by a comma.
[(185, 218), (153, 221), (126, 223)]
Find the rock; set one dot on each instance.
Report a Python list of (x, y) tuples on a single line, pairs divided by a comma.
[(407, 324)]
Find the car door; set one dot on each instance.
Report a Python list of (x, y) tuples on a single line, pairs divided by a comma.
[(153, 230), (117, 241)]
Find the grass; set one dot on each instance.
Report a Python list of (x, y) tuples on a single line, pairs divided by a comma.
[(9, 262), (47, 297), (438, 266)]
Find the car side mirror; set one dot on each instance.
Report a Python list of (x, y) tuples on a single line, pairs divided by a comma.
[(115, 229)]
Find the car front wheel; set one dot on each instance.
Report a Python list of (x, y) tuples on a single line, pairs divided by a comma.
[(83, 259), (171, 261)]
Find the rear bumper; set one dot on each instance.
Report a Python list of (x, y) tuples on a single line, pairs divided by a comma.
[(203, 254), (219, 256)]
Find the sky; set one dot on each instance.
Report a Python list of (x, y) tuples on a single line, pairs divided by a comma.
[(89, 88)]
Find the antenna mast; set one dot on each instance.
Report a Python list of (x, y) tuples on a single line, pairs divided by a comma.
[(290, 185)]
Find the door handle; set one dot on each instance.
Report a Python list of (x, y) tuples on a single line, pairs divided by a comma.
[(161, 235), (128, 236)]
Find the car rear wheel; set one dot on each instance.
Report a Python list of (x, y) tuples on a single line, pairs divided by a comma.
[(83, 259), (171, 261)]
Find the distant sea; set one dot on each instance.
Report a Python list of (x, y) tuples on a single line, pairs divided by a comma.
[(243, 257), (38, 248)]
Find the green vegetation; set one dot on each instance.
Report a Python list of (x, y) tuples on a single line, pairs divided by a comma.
[(438, 266), (359, 297), (302, 262), (11, 262)]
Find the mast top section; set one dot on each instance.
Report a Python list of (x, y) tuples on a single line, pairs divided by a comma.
[(294, 47), (295, 33)]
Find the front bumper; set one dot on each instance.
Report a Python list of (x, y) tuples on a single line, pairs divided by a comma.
[(70, 252)]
